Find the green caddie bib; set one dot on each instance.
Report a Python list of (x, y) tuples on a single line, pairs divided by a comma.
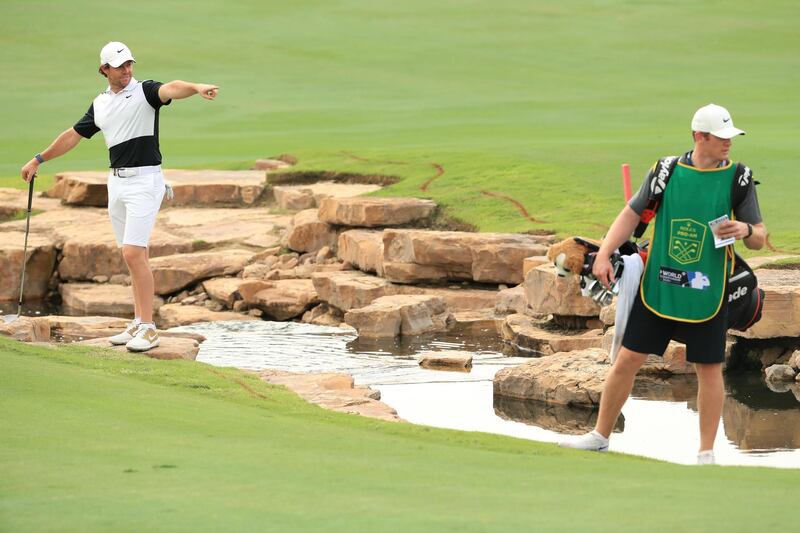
[(684, 278)]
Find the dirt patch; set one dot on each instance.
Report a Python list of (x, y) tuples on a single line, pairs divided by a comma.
[(439, 171), (515, 203), (286, 158), (773, 248), (313, 176)]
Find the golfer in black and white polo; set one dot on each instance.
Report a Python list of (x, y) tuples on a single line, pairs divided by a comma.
[(127, 114)]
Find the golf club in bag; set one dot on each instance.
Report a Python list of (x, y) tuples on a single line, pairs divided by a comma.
[(11, 318)]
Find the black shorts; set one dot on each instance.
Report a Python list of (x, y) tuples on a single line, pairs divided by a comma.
[(649, 333)]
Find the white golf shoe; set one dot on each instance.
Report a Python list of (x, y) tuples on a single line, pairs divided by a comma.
[(593, 441), (706, 457), (127, 335), (145, 338)]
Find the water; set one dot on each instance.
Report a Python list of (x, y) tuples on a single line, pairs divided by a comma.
[(759, 427)]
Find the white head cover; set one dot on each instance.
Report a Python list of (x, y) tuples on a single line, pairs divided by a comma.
[(115, 54), (716, 120)]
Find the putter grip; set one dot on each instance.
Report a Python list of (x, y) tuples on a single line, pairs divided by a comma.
[(30, 193)]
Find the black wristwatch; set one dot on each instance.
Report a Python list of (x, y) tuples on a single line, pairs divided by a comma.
[(749, 231)]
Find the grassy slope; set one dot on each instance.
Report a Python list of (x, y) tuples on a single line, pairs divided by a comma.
[(98, 442), (539, 101)]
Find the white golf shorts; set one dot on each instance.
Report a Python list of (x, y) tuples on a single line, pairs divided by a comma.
[(133, 204)]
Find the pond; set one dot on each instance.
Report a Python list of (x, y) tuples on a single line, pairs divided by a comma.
[(760, 426)]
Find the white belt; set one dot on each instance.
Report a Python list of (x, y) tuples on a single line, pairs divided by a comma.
[(135, 171)]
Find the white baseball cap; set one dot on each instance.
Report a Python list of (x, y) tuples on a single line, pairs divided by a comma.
[(115, 54), (716, 120)]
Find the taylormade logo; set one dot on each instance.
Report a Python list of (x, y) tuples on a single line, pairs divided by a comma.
[(744, 179), (658, 184), (741, 291)]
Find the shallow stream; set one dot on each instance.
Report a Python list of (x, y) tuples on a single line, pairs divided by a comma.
[(760, 427)]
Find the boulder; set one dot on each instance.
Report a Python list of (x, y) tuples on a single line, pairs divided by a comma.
[(567, 378), (794, 360), (532, 262), (224, 290), (350, 289), (104, 300), (294, 198), (510, 301), (481, 323), (608, 313), (170, 347), (307, 233), (174, 272), (371, 212), (78, 328), (548, 293), (390, 316), (780, 373), (528, 335), (446, 359), (282, 299), (26, 329), (363, 249), (781, 316), (414, 255), (40, 261), (323, 315), (672, 362), (333, 391), (172, 315), (81, 188)]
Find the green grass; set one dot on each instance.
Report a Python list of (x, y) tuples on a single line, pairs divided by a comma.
[(541, 101), (95, 441)]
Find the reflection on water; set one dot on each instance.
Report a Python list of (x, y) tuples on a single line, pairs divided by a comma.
[(660, 420)]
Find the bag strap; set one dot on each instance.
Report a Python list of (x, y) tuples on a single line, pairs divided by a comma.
[(662, 171)]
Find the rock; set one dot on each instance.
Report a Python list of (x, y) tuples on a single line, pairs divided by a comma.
[(174, 272), (172, 315), (527, 335), (532, 262), (26, 329), (270, 164), (333, 391), (559, 418), (254, 227), (120, 279), (282, 299), (781, 316), (371, 212), (100, 279), (103, 300), (759, 428), (294, 198), (170, 347), (12, 201), (567, 378), (40, 262), (780, 373), (362, 248), (547, 293), (794, 360), (78, 328), (672, 362), (307, 233), (390, 316), (414, 255), (608, 313), (481, 323), (350, 289), (323, 315), (451, 359), (81, 188), (510, 301), (223, 290), (214, 306)]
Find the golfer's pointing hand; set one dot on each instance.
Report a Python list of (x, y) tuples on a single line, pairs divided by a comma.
[(209, 92), (603, 271)]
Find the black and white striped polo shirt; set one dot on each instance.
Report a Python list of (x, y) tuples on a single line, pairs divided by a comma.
[(129, 122)]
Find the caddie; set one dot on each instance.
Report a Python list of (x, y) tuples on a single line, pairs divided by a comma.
[(127, 113), (682, 293)]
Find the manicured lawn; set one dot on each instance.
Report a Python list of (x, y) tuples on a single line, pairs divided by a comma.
[(92, 441), (538, 101)]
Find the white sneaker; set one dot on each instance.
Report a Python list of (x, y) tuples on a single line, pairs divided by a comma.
[(706, 458), (145, 338), (127, 335), (593, 441)]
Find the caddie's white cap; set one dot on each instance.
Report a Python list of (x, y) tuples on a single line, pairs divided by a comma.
[(716, 120), (115, 54)]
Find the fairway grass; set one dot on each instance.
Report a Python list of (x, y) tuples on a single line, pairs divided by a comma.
[(538, 101), (95, 441)]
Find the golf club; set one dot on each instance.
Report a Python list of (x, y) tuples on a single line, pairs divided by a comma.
[(11, 318)]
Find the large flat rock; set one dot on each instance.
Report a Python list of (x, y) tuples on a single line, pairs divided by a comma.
[(79, 328), (224, 290), (175, 272), (14, 200), (100, 299), (548, 293), (254, 227), (566, 378), (390, 316), (411, 256), (191, 187), (307, 233), (26, 329), (280, 299), (781, 316), (39, 263), (362, 249), (528, 335), (173, 315), (370, 212), (170, 348)]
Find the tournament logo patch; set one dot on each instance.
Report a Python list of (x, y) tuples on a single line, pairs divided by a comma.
[(686, 239)]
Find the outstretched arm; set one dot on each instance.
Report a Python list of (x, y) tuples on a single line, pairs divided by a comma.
[(177, 89), (65, 142)]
